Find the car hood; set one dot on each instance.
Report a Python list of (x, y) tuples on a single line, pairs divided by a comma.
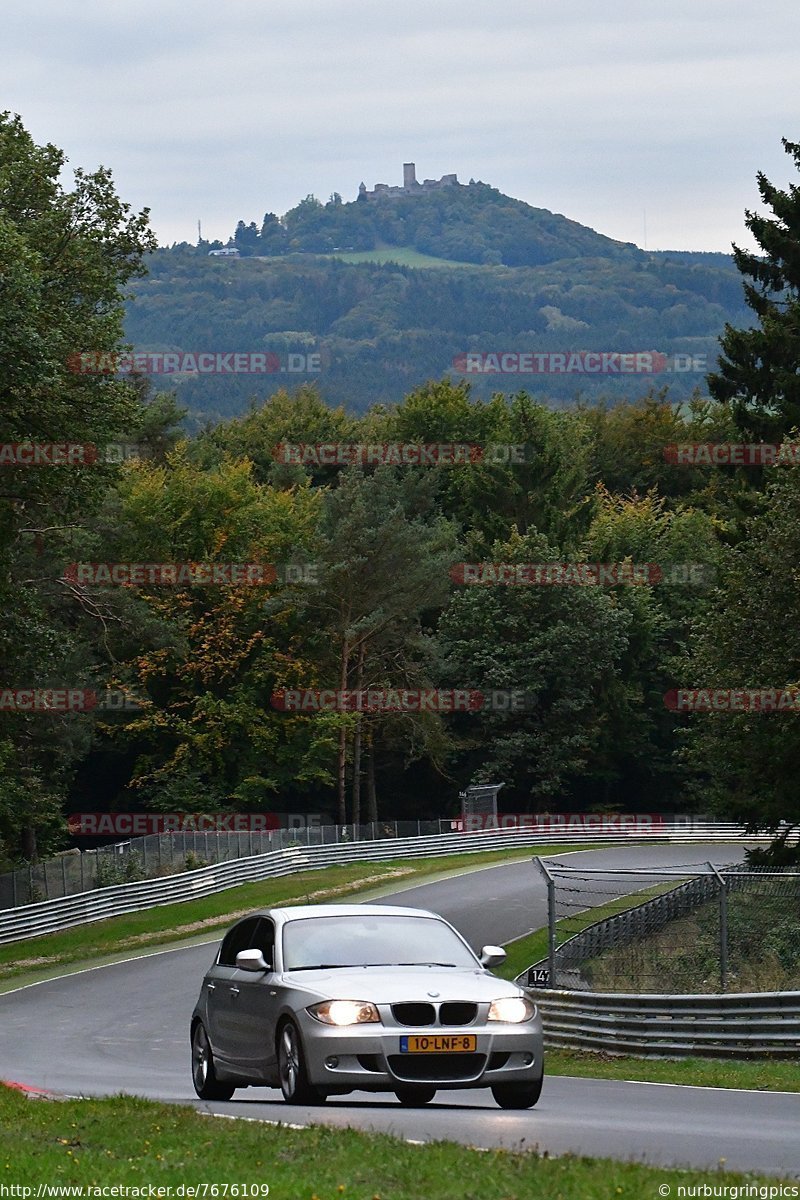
[(392, 985)]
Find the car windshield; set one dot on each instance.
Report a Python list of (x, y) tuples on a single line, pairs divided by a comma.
[(365, 941)]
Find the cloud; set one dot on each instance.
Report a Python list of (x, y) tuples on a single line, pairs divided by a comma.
[(599, 112)]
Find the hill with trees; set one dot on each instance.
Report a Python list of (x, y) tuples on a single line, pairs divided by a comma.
[(501, 276)]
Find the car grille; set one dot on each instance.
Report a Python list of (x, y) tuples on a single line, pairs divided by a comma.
[(414, 1014), (451, 1012), (436, 1068), (457, 1012)]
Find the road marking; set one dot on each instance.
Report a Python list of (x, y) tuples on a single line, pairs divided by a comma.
[(314, 1125), (653, 1083)]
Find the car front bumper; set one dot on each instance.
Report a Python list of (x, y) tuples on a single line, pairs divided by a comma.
[(370, 1057)]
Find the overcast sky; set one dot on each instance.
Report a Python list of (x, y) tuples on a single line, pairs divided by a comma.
[(645, 121)]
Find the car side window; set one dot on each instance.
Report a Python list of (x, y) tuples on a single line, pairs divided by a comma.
[(236, 939), (264, 940)]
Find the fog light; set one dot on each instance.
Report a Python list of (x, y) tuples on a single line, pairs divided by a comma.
[(332, 1062), (527, 1059)]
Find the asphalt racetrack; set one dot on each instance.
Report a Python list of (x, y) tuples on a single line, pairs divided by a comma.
[(125, 1028)]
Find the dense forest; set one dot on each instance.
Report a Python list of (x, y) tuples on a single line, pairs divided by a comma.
[(367, 589), (475, 271)]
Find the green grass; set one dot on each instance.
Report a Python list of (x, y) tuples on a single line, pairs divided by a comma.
[(765, 1075), (405, 256), (198, 920), (140, 1143)]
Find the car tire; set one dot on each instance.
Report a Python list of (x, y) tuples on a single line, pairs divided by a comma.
[(292, 1069), (415, 1095), (204, 1075), (517, 1095)]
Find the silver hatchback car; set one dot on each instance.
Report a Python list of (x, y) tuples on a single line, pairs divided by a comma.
[(324, 999)]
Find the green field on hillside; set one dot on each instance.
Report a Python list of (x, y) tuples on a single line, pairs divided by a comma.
[(405, 256)]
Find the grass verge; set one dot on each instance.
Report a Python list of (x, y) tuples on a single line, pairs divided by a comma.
[(140, 1143), (764, 1075), (44, 956)]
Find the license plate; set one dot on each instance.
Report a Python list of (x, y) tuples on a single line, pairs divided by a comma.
[(444, 1043)]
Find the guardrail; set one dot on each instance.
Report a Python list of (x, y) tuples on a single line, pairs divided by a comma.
[(748, 1024), (48, 916)]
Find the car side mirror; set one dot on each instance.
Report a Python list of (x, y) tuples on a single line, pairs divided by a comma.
[(251, 960), (492, 956)]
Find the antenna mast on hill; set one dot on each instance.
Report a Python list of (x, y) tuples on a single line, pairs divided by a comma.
[(199, 233)]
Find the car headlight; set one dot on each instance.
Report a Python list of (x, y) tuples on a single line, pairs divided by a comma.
[(511, 1010), (345, 1012)]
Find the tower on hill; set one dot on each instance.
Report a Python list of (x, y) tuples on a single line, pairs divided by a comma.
[(411, 186)]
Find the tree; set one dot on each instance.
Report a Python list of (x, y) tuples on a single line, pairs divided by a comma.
[(66, 256), (559, 644), (548, 490), (386, 553), (635, 755), (209, 658), (745, 762), (246, 238), (758, 371)]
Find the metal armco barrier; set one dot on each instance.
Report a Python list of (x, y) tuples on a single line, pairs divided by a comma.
[(752, 1024), (48, 916)]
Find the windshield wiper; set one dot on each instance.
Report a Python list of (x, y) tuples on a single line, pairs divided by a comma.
[(423, 964), (356, 966), (322, 966)]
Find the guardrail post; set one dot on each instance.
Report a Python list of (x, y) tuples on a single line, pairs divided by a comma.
[(723, 929), (551, 920)]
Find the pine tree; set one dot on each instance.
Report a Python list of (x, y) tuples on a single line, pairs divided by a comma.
[(759, 373)]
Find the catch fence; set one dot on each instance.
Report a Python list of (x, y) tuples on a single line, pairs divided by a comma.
[(673, 931)]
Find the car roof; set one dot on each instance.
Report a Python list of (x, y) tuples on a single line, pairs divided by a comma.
[(305, 911)]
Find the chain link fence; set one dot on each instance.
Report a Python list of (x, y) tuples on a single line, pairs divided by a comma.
[(675, 931), (158, 855)]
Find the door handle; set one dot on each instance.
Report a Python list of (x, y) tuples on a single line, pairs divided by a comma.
[(234, 991), (211, 986)]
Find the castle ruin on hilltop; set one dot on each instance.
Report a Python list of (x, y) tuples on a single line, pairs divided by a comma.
[(411, 185)]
